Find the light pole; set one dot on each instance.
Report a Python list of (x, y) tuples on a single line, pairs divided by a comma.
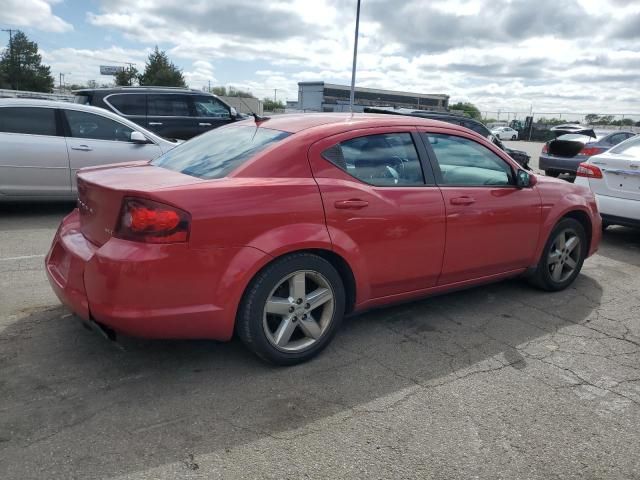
[(355, 58), (14, 82)]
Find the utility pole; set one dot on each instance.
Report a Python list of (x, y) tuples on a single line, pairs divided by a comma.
[(14, 82), (209, 86), (61, 80), (275, 96), (355, 58)]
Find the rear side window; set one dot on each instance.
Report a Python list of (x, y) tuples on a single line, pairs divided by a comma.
[(630, 147), (217, 153), (464, 162), (128, 104), (168, 105), (28, 120), (384, 160)]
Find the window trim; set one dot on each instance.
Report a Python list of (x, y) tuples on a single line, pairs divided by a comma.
[(433, 159), (427, 175)]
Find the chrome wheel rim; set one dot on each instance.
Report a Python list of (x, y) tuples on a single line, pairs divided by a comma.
[(564, 256), (298, 311)]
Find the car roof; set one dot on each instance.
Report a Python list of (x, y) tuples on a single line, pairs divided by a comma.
[(181, 90), (294, 123)]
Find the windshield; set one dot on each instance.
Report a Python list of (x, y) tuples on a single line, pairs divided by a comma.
[(630, 147), (217, 153)]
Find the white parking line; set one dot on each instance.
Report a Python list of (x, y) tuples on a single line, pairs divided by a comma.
[(24, 257)]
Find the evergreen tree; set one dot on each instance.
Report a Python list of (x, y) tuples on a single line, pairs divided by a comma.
[(160, 71), (21, 67), (127, 77)]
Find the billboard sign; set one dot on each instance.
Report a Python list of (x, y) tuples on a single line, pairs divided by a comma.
[(110, 69)]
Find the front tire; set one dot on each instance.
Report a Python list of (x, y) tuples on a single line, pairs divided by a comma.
[(513, 137), (562, 257), (292, 309)]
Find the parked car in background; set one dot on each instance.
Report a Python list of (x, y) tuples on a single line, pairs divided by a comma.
[(179, 113), (568, 150), (44, 143), (505, 133), (614, 177), (519, 156), (274, 230)]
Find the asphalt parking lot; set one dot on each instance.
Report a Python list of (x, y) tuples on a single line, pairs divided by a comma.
[(501, 381)]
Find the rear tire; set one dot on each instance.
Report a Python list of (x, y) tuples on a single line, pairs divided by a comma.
[(562, 257), (292, 309), (513, 137), (552, 173)]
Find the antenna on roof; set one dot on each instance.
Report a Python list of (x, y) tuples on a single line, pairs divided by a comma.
[(259, 118)]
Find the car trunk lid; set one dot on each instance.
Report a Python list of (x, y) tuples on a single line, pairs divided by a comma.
[(569, 145), (620, 176), (102, 189)]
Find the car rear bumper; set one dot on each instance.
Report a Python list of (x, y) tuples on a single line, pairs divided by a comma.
[(619, 211), (149, 290), (560, 164)]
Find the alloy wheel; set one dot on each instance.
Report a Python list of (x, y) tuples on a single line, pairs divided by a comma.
[(564, 256), (298, 311)]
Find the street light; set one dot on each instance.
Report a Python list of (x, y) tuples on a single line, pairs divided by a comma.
[(355, 57)]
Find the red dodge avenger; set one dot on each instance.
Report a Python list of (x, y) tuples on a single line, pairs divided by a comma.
[(275, 229)]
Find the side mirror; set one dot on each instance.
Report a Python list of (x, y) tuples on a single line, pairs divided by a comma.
[(233, 112), (137, 137), (524, 179)]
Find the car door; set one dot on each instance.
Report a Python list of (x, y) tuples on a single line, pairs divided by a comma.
[(97, 140), (210, 112), (492, 225), (169, 115), (33, 153), (382, 206)]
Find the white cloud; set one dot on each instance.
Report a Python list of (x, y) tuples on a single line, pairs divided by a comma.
[(32, 13)]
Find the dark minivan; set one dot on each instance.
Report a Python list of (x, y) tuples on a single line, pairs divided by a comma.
[(179, 113)]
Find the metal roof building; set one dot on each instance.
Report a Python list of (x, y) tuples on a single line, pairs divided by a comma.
[(329, 97)]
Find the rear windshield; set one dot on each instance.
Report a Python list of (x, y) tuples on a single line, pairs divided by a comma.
[(629, 147), (217, 153)]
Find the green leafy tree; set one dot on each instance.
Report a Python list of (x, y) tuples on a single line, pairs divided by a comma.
[(591, 118), (160, 71), (127, 77), (21, 66), (271, 106), (235, 92), (220, 91), (468, 108)]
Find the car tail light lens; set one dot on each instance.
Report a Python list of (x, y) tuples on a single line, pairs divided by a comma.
[(148, 221), (589, 171), (545, 148), (590, 151)]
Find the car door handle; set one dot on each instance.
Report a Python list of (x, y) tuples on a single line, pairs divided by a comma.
[(462, 200), (354, 204), (204, 124), (154, 124), (82, 148)]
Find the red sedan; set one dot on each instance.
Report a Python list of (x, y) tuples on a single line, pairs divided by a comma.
[(275, 229)]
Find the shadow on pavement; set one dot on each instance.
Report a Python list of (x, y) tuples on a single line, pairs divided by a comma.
[(621, 244), (72, 405)]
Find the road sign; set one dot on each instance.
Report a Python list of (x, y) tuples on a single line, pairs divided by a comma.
[(110, 69)]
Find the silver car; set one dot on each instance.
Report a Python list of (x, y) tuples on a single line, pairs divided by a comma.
[(44, 143)]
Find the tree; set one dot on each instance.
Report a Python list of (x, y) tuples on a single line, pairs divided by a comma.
[(21, 67), (468, 108), (591, 118), (160, 71), (127, 77), (220, 91), (271, 106), (231, 92)]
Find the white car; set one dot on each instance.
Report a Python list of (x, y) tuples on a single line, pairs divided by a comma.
[(505, 133), (44, 143), (614, 177)]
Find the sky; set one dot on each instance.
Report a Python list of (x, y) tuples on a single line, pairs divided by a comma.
[(508, 55)]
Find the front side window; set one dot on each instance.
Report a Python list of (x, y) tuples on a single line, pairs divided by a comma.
[(210, 107), (129, 103), (28, 120), (168, 105), (384, 160), (464, 162), (96, 127), (217, 153)]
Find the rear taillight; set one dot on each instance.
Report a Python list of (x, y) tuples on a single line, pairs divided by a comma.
[(589, 171), (545, 148), (148, 221), (590, 151)]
